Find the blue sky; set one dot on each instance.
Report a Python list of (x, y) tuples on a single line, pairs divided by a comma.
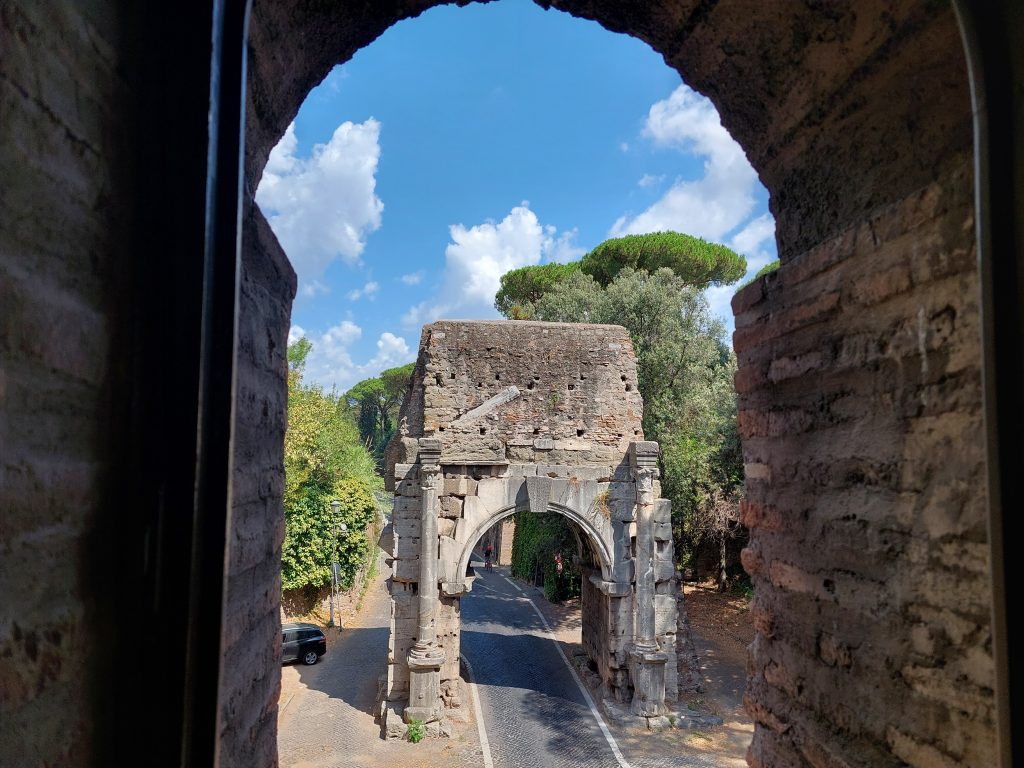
[(470, 141)]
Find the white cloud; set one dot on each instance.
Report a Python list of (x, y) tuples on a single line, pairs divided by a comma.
[(713, 205), (749, 240), (322, 208), (313, 288), (478, 256), (647, 180), (413, 278), (756, 241), (367, 291), (330, 363)]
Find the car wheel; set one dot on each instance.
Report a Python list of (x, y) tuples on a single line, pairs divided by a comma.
[(310, 657)]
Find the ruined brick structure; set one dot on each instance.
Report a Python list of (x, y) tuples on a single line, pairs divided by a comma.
[(860, 368), (510, 416)]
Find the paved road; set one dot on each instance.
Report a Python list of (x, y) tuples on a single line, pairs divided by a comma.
[(533, 709)]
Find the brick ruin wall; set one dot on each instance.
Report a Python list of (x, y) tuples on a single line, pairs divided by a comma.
[(251, 656)]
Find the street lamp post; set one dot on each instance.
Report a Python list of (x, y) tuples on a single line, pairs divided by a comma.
[(335, 507)]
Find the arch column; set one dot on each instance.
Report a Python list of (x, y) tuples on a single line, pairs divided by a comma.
[(425, 657), (646, 659)]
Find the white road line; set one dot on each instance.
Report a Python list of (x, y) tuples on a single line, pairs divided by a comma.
[(506, 578), (579, 683), (485, 745)]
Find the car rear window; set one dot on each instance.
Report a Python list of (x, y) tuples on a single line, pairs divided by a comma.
[(309, 633)]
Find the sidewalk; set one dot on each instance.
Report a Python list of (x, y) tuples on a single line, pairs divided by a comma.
[(326, 712)]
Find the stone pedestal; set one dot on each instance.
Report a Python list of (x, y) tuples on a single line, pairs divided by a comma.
[(424, 684), (647, 668)]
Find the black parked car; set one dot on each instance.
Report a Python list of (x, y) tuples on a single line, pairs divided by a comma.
[(302, 642)]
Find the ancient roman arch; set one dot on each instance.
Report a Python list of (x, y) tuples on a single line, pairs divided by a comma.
[(505, 416)]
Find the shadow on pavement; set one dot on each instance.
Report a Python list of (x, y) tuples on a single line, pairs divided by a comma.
[(351, 667)]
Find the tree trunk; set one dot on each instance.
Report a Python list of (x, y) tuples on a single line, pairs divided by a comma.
[(723, 581)]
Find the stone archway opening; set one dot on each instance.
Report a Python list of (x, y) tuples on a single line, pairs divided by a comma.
[(859, 365)]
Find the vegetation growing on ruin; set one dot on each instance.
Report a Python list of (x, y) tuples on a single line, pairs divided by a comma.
[(324, 460)]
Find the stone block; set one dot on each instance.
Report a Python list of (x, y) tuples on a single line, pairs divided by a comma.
[(451, 507), (663, 511), (406, 569), (662, 532), (460, 486)]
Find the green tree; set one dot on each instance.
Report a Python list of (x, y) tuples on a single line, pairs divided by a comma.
[(685, 370), (696, 261), (537, 540), (375, 403), (522, 288), (324, 460)]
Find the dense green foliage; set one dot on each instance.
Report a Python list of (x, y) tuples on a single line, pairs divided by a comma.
[(537, 539), (685, 370), (374, 404), (324, 460), (695, 261), (522, 287)]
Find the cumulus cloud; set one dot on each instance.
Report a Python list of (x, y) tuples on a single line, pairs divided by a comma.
[(648, 180), (366, 291), (413, 278), (331, 363), (322, 208), (711, 206), (479, 255)]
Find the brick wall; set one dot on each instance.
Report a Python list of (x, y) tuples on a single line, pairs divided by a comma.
[(859, 389), (252, 626)]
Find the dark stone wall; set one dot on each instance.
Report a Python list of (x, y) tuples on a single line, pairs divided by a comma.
[(859, 369), (64, 248)]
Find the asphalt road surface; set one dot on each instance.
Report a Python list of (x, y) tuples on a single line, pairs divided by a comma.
[(534, 711)]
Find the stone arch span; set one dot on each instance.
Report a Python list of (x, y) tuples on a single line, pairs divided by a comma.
[(599, 542)]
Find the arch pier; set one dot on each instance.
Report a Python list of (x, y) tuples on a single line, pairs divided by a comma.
[(509, 417)]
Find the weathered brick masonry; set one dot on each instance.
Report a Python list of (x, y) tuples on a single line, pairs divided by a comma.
[(860, 412), (63, 154)]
